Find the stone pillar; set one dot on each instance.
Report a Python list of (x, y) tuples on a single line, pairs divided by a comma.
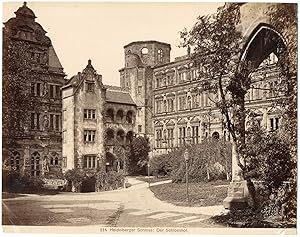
[(26, 157), (237, 195)]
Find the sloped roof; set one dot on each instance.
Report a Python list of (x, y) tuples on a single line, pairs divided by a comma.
[(54, 62), (120, 97)]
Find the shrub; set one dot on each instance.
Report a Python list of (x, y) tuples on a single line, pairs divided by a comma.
[(109, 181), (75, 177), (13, 181), (207, 161)]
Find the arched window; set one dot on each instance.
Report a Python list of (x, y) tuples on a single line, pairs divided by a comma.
[(120, 135), (35, 164), (54, 159), (144, 51), (120, 115), (160, 55), (129, 137), (129, 117), (110, 115), (110, 134), (15, 160), (216, 135)]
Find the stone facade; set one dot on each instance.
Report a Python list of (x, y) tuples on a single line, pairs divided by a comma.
[(97, 121), (38, 150)]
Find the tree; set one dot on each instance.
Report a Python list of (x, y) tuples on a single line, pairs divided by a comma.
[(284, 18), (138, 154), (217, 46)]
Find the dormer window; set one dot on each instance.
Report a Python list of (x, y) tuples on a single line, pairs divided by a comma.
[(90, 86)]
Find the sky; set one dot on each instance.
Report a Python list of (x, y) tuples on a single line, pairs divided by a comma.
[(98, 31)]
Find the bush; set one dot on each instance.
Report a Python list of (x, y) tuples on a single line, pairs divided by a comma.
[(75, 177), (109, 181), (12, 181), (269, 160), (210, 160)]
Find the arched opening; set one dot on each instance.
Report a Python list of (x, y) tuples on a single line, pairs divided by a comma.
[(110, 135), (111, 162), (129, 137), (15, 159), (265, 44), (120, 116), (216, 135), (129, 117), (35, 164), (110, 115), (120, 136), (54, 159)]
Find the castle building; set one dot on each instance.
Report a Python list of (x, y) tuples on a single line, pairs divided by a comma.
[(98, 120), (86, 123), (37, 146)]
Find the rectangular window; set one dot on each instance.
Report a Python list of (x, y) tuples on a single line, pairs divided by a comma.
[(38, 89), (51, 91), (38, 121), (90, 161), (32, 121), (57, 92), (89, 135), (57, 122), (51, 122), (139, 128), (272, 123), (90, 86), (89, 114)]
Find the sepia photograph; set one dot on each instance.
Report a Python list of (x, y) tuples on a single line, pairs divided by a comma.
[(149, 117)]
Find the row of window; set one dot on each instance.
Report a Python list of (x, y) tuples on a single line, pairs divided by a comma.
[(185, 75), (51, 122), (42, 90), (167, 136), (184, 102), (35, 162)]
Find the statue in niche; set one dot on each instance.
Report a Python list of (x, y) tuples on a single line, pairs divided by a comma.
[(45, 89), (46, 164), (165, 105), (45, 123)]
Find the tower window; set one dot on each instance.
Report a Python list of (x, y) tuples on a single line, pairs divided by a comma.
[(160, 55), (145, 51)]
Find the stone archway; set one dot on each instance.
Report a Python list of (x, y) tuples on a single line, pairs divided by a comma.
[(110, 162), (263, 41)]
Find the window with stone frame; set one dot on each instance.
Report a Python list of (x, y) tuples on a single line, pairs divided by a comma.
[(15, 161), (159, 138), (171, 104), (89, 135), (35, 121), (89, 114), (182, 136), (170, 137), (36, 89), (90, 86), (195, 101), (54, 122), (182, 102), (90, 161), (195, 134), (170, 79), (160, 55), (274, 123), (35, 164), (54, 91), (54, 159)]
